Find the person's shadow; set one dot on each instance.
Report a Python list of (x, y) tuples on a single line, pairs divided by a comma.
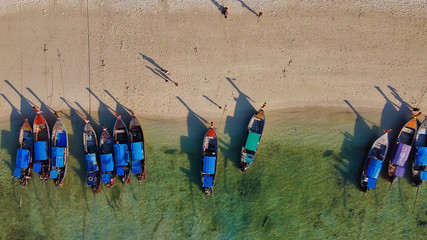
[(191, 146), (220, 7), (247, 7)]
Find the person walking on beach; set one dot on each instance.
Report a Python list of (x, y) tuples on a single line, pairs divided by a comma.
[(166, 72), (225, 12), (259, 15)]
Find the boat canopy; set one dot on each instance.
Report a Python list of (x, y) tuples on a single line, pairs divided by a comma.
[(58, 156), (421, 156), (40, 150), (252, 141), (90, 179), (107, 164), (61, 139), (120, 155), (207, 181), (400, 171), (106, 178), (17, 172), (136, 148), (423, 175), (22, 158), (136, 167), (372, 183), (120, 171), (91, 164), (374, 168), (402, 154), (209, 165), (54, 173), (37, 167), (249, 158)]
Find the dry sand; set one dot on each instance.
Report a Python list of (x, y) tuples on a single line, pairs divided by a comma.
[(299, 53)]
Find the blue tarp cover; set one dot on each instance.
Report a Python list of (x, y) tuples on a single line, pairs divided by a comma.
[(136, 169), (400, 171), (372, 183), (61, 139), (208, 165), (22, 158), (37, 166), (423, 175), (120, 171), (54, 174), (121, 155), (249, 158), (107, 162), (208, 181), (252, 141), (374, 168), (136, 148), (106, 178), (40, 151), (58, 156), (402, 155), (17, 172), (91, 164), (90, 179), (421, 156)]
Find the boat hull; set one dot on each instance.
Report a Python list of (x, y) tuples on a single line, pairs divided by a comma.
[(252, 139), (138, 156), (374, 163), (59, 153), (419, 161), (121, 151), (402, 150), (25, 152), (93, 173), (106, 150), (209, 160), (42, 158)]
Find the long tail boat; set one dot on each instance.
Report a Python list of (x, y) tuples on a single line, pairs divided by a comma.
[(210, 160), (252, 139), (59, 152), (106, 149), (24, 153), (137, 146), (41, 163), (121, 150), (374, 162), (419, 162), (90, 143), (402, 149)]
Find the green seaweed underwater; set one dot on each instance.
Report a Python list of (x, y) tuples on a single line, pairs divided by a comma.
[(303, 185)]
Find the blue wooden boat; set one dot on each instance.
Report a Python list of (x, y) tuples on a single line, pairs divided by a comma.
[(252, 139), (24, 153), (210, 160), (121, 150), (59, 152), (90, 143), (137, 146), (41, 135), (106, 149), (374, 162), (419, 162), (402, 149)]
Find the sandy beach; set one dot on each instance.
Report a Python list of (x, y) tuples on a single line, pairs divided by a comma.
[(297, 54)]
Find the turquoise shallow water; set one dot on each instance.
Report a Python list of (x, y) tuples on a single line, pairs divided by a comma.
[(303, 185)]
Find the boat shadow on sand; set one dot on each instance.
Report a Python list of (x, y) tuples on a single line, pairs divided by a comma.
[(191, 145)]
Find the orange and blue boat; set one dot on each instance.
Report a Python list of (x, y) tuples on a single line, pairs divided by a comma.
[(121, 150), (210, 160), (41, 135), (419, 162)]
